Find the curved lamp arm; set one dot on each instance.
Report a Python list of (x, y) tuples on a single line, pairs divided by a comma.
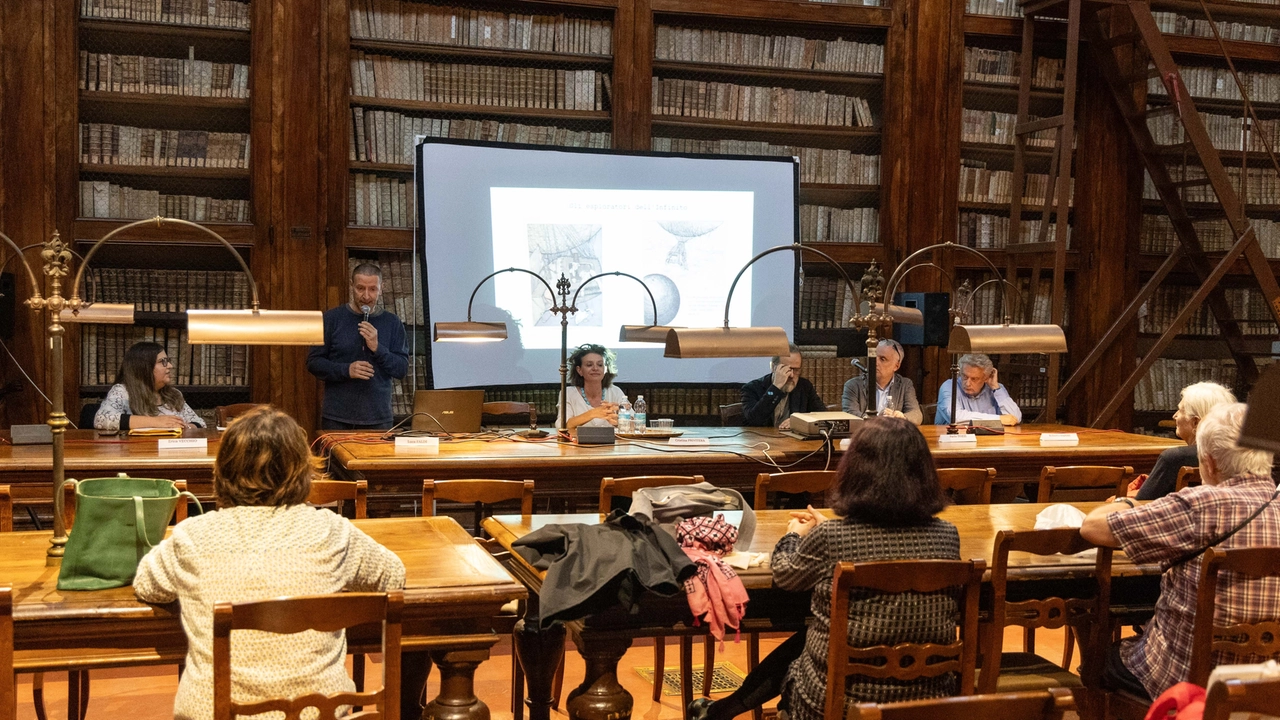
[(31, 275), (965, 310), (797, 247), (507, 270), (92, 280), (573, 304), (899, 272)]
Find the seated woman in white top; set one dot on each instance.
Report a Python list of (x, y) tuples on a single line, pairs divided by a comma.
[(263, 542), (593, 398), (144, 395)]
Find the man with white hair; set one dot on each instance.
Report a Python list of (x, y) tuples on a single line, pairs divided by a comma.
[(981, 397), (1174, 531), (1197, 400)]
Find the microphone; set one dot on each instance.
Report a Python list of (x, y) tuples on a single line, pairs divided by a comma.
[(365, 309)]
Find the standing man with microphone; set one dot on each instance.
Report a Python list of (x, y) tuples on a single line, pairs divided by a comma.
[(363, 351)]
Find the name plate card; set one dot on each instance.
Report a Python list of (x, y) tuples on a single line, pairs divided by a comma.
[(1059, 439), (417, 446), (185, 444), (692, 441), (960, 439)]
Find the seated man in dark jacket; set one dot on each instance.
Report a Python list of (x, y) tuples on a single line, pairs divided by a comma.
[(769, 401)]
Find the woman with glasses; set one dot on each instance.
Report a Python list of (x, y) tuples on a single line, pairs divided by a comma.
[(144, 395)]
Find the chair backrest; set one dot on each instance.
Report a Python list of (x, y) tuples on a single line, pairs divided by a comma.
[(731, 415), (1242, 696), (325, 492), (967, 486), (622, 488), (904, 661), (1085, 614), (508, 413), (8, 686), (88, 412), (6, 509), (1260, 638), (1048, 704), (481, 493), (325, 613), (1083, 483), (224, 414), (810, 481), (1188, 476)]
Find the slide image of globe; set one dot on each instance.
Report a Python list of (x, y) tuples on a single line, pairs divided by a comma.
[(667, 297)]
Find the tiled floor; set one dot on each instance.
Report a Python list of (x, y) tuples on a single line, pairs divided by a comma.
[(147, 693)]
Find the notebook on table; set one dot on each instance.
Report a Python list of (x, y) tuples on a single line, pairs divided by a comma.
[(451, 411)]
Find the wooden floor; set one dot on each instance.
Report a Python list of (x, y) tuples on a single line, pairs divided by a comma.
[(147, 693)]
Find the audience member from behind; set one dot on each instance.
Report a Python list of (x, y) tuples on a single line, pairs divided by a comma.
[(144, 395), (1173, 532), (982, 397), (895, 395), (771, 400), (1197, 400), (887, 494), (263, 542), (593, 398)]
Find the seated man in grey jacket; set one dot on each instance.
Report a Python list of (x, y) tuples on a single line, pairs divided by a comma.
[(896, 395)]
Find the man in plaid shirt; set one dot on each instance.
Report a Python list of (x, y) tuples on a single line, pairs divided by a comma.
[(1237, 481)]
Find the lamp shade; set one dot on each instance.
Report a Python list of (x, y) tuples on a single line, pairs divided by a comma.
[(470, 331), (100, 314), (722, 342), (906, 315), (1261, 429), (644, 333), (255, 327), (991, 339)]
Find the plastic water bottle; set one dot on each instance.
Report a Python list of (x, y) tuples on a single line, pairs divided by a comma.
[(640, 416), (626, 423)]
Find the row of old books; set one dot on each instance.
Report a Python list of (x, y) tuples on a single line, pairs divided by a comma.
[(986, 305), (1002, 66), (822, 224), (381, 201), (1157, 235), (102, 349), (1161, 388), (103, 143), (209, 13), (828, 375), (978, 184), (817, 165), (1248, 307), (154, 290), (401, 285), (825, 303), (102, 199), (983, 231), (989, 126), (748, 103), (1261, 186), (1227, 132), (402, 390), (382, 76), (1217, 84), (1179, 24), (701, 45), (467, 27), (1002, 8), (679, 401), (384, 136), (163, 75)]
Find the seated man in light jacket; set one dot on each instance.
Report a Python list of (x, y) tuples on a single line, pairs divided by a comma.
[(895, 395), (981, 397)]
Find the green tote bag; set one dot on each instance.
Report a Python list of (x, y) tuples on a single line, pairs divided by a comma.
[(118, 520)]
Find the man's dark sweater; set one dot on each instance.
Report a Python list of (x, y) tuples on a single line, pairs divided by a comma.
[(1164, 476), (760, 397), (347, 400)]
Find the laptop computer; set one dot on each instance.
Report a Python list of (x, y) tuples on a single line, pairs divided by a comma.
[(452, 411)]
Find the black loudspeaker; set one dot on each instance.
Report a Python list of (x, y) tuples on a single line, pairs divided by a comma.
[(8, 304), (936, 330)]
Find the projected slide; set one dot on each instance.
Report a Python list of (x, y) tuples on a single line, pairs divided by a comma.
[(685, 244)]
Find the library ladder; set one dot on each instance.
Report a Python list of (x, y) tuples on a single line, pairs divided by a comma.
[(1130, 50)]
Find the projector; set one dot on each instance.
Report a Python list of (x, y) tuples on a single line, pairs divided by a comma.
[(832, 424)]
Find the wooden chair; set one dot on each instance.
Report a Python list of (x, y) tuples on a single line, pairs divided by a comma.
[(325, 613), (1188, 476), (967, 486), (622, 488), (1082, 483), (1260, 697), (224, 414), (508, 413), (1086, 617), (731, 415), (810, 481), (481, 493), (328, 492), (902, 661), (6, 509), (8, 682), (1259, 638), (1049, 704)]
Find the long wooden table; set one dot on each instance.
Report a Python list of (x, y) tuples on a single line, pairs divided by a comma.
[(453, 596), (603, 639), (733, 459)]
